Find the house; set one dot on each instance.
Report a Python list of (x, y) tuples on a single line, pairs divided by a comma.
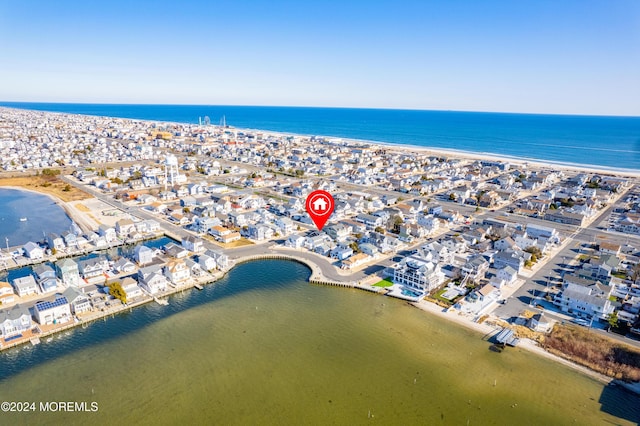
[(6, 293), (33, 251), (175, 251), (207, 262), (260, 232), (151, 279), (509, 258), (70, 239), (97, 240), (93, 269), (46, 277), (370, 221), (476, 267), (295, 241), (67, 271), (339, 231), (25, 286), (143, 255), (229, 238), (341, 252), (368, 249), (193, 244), (131, 288), (418, 274), (124, 265), (508, 274), (108, 233), (586, 301), (55, 242), (125, 227), (56, 312), (285, 225), (78, 300), (177, 271), (14, 321), (355, 261)]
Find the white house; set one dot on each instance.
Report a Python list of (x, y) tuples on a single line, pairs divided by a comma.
[(143, 255), (33, 251), (124, 265), (295, 241), (131, 288), (177, 271), (107, 232), (78, 300), (508, 274), (151, 279), (6, 293), (14, 321), (56, 312), (193, 244), (25, 286), (206, 262), (67, 271), (124, 227), (418, 274)]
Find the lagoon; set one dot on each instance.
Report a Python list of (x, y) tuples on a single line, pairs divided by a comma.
[(42, 215), (263, 346)]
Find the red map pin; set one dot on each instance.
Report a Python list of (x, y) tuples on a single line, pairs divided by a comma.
[(320, 205)]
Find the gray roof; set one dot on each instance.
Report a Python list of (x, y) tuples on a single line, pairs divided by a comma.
[(13, 313)]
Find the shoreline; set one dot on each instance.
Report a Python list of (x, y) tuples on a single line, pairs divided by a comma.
[(451, 152)]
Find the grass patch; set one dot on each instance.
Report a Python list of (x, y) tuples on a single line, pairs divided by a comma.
[(620, 275), (594, 351), (384, 283)]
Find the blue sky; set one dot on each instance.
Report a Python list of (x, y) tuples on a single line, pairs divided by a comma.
[(546, 56)]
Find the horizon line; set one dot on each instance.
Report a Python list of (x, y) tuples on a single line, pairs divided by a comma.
[(2, 102)]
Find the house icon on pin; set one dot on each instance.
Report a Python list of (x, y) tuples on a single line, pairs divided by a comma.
[(319, 204)]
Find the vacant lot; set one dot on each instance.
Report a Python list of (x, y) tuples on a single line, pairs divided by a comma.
[(48, 185), (595, 351)]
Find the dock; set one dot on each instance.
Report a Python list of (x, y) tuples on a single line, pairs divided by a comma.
[(35, 340), (163, 302), (507, 337)]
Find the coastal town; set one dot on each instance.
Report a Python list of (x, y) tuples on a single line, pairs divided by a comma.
[(171, 206)]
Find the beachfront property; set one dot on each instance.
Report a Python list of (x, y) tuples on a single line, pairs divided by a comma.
[(93, 269), (14, 321), (418, 274), (193, 244), (56, 312)]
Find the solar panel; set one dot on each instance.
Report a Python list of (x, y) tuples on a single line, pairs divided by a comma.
[(43, 305)]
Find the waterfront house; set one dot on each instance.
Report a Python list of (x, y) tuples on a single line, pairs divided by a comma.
[(14, 321), (124, 265), (583, 299), (151, 279), (55, 312), (481, 297), (108, 232), (46, 277), (55, 242), (67, 271), (143, 255), (6, 293), (97, 240), (341, 252), (131, 288), (419, 274), (175, 251), (177, 271), (33, 251), (125, 227), (193, 244), (93, 269), (25, 286), (70, 239), (78, 301), (206, 262), (476, 267)]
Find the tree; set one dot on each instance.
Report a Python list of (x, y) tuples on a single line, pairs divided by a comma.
[(613, 320), (452, 197), (67, 188), (355, 247), (379, 229), (116, 290)]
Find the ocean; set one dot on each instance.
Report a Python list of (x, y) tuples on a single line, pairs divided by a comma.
[(42, 216), (601, 141), (263, 346)]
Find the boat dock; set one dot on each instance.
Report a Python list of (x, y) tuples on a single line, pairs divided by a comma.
[(507, 337)]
